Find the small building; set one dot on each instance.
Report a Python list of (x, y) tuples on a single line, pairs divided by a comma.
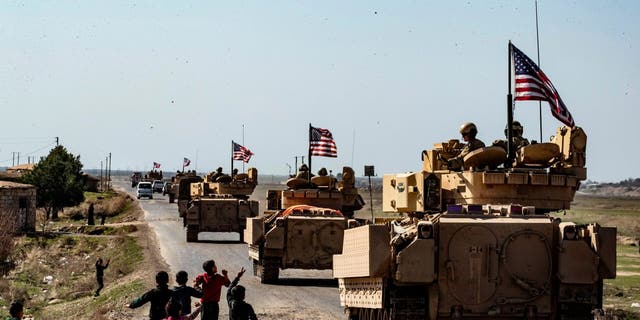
[(90, 182), (18, 200), (21, 168)]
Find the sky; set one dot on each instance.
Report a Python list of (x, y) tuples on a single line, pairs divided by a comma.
[(157, 81)]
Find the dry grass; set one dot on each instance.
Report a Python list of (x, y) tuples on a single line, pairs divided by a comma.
[(55, 274), (8, 226)]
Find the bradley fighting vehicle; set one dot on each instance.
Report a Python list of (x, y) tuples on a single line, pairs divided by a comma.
[(181, 189), (221, 204), (302, 227), (479, 243)]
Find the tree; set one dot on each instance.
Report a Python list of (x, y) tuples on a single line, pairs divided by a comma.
[(58, 179)]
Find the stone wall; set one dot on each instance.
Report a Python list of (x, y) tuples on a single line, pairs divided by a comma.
[(20, 200)]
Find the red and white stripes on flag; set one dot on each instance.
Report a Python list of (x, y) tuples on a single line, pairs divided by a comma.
[(156, 165), (533, 84), (186, 162), (241, 153), (321, 143)]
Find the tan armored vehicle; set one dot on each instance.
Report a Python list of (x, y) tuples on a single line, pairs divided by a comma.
[(303, 226), (181, 189), (221, 204), (135, 178), (152, 175), (478, 243)]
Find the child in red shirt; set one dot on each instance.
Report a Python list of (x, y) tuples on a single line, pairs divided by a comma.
[(211, 284)]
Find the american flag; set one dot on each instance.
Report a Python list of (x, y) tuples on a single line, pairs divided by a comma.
[(186, 162), (533, 84), (156, 165), (322, 143), (241, 153)]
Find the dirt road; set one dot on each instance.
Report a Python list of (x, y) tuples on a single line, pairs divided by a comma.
[(300, 294)]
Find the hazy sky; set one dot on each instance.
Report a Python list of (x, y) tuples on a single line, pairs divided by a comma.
[(158, 80)]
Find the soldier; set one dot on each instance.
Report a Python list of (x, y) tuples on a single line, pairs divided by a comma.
[(468, 131), (303, 172), (217, 174), (323, 172), (517, 139)]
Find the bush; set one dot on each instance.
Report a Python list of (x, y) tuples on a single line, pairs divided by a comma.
[(7, 231)]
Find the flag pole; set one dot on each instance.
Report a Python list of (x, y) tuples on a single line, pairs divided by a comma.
[(538, 45), (510, 151), (182, 165), (309, 172), (243, 145), (231, 159)]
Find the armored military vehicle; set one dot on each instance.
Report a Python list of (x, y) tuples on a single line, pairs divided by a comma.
[(479, 243), (221, 204), (302, 227), (181, 189), (135, 178), (152, 175)]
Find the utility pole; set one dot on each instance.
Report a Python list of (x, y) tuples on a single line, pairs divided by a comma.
[(101, 181), (109, 175), (106, 174)]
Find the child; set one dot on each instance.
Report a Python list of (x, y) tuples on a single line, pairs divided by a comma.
[(211, 283), (100, 266), (158, 296), (183, 293), (238, 309), (174, 307), (16, 310)]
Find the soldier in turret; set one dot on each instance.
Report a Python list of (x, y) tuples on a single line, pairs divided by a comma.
[(468, 131), (303, 172), (517, 140), (217, 174)]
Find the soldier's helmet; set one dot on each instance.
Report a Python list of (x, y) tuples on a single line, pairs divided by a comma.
[(303, 167), (516, 128), (219, 169), (468, 128)]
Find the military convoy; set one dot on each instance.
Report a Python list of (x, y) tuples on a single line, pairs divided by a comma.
[(303, 226), (217, 203), (479, 243)]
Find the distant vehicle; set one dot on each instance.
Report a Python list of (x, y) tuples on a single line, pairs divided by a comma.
[(144, 189), (135, 178), (166, 188), (157, 186)]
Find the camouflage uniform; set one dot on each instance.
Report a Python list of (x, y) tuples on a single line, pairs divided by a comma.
[(457, 162), (473, 144), (518, 142)]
